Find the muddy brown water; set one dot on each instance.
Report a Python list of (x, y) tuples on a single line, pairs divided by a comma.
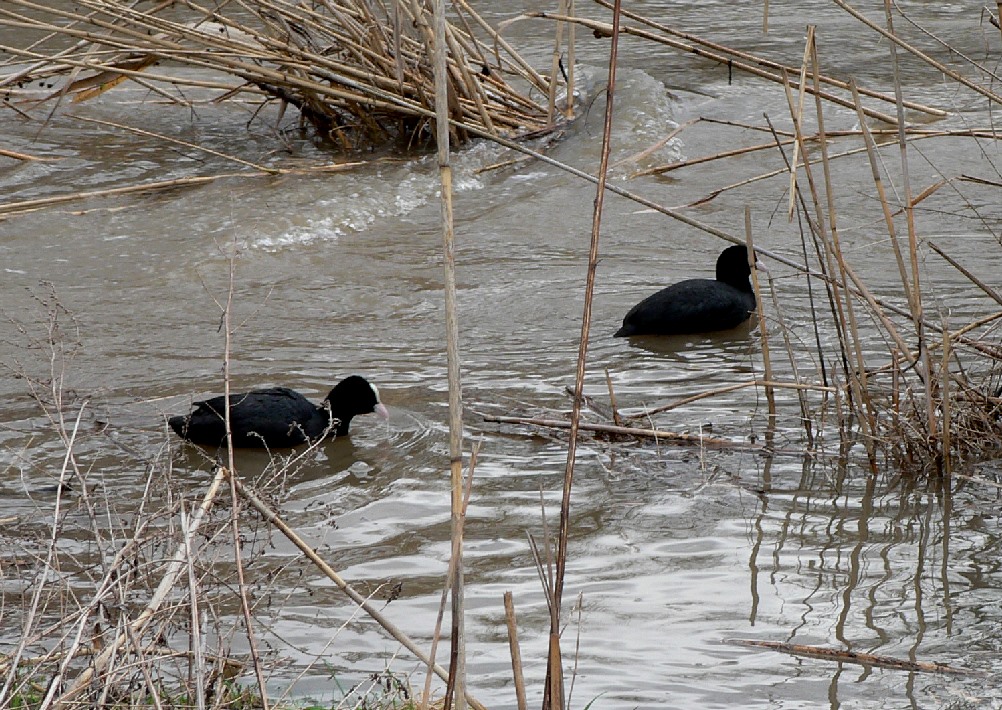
[(673, 551)]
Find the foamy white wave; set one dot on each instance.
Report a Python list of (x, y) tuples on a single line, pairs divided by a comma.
[(389, 192), (644, 115), (352, 203)]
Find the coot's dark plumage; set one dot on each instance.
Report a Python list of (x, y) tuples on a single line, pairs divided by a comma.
[(278, 417), (697, 305)]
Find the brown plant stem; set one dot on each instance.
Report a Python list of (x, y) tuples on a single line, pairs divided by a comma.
[(513, 648), (457, 666), (553, 698)]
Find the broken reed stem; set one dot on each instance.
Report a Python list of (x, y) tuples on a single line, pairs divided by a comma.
[(867, 659), (514, 651), (553, 698), (658, 434), (799, 386)]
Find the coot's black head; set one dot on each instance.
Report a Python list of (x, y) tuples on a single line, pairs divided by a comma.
[(733, 268), (351, 396)]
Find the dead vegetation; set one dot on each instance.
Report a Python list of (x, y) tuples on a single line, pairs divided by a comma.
[(358, 72), (928, 405)]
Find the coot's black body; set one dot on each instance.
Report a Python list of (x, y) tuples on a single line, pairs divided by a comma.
[(697, 305), (278, 417)]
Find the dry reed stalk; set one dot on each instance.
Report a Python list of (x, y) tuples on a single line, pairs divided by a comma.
[(29, 205), (226, 308), (196, 665), (830, 256), (25, 156), (186, 144), (456, 544), (913, 136), (637, 157), (553, 695), (558, 38), (871, 152), (866, 411), (989, 291), (916, 302), (945, 403), (526, 70), (25, 206), (806, 419), (616, 419), (798, 113), (689, 162), (763, 329), (457, 665), (48, 569), (513, 649), (571, 36), (831, 283)]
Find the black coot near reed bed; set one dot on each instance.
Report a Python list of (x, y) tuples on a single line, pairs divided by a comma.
[(697, 305), (279, 417)]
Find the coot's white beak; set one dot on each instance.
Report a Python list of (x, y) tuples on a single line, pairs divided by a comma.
[(759, 266), (382, 410)]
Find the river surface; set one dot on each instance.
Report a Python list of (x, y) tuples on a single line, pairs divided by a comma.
[(674, 551)]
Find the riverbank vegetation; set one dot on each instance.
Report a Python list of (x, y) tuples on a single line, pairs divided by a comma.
[(117, 605)]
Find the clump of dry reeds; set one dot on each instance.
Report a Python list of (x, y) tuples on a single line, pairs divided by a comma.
[(359, 72)]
